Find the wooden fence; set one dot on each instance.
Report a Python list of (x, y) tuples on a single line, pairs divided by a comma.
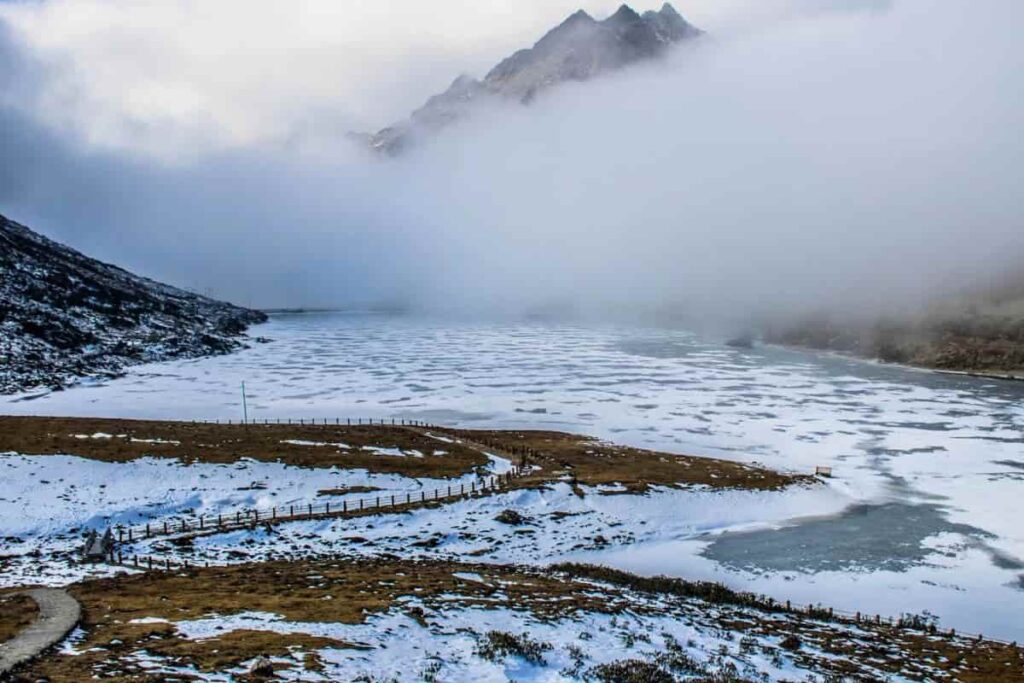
[(248, 518)]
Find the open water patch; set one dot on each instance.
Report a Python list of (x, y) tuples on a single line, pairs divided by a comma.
[(887, 537)]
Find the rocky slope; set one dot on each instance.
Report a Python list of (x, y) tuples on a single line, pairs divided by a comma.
[(578, 49), (64, 315)]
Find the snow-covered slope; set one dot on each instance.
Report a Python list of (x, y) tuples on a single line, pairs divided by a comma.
[(576, 50), (64, 315)]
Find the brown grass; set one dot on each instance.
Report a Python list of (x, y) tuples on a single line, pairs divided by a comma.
[(582, 459), (360, 588), (222, 443), (16, 612), (295, 590), (595, 463)]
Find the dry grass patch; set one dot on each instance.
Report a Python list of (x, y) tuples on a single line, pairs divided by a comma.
[(311, 445), (593, 462), (350, 591), (586, 460), (16, 612), (322, 590)]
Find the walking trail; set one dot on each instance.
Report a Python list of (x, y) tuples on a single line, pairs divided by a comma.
[(58, 614)]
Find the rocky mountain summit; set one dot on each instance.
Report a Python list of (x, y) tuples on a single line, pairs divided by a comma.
[(64, 315), (578, 49)]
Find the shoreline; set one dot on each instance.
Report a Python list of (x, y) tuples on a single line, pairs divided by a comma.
[(1004, 375)]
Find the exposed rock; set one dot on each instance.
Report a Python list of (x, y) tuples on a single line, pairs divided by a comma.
[(262, 668), (510, 517), (576, 50), (64, 316)]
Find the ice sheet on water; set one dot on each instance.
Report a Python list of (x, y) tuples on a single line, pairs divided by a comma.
[(888, 433)]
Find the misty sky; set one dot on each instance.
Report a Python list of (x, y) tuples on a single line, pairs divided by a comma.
[(808, 154)]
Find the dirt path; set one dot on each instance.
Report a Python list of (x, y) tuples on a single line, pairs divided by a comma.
[(58, 614)]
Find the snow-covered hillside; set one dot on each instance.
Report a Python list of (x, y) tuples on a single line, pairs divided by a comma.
[(64, 315)]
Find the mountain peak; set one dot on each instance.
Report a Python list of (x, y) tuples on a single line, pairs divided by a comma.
[(667, 10), (579, 15), (624, 15), (578, 49)]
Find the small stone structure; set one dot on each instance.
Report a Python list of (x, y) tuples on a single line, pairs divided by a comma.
[(97, 548)]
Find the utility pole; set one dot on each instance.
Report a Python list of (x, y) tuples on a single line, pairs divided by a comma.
[(245, 407)]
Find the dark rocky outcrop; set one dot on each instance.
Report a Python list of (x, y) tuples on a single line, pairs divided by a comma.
[(576, 50), (64, 315)]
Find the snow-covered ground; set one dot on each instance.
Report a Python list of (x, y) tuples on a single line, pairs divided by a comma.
[(504, 625), (647, 534), (395, 647), (929, 468), (47, 502)]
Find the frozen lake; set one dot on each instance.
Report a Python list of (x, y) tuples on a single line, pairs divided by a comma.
[(929, 468)]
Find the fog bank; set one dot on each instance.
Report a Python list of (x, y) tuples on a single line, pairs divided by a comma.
[(866, 156)]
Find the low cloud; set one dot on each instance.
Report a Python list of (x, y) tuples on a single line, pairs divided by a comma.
[(846, 158)]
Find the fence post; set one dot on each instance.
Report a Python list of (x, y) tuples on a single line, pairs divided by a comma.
[(328, 507), (392, 500), (344, 506), (378, 501), (310, 509), (408, 498), (449, 491), (129, 535), (147, 529), (423, 496), (165, 528), (291, 510), (200, 522)]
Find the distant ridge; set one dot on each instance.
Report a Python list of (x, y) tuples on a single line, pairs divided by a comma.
[(578, 49)]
